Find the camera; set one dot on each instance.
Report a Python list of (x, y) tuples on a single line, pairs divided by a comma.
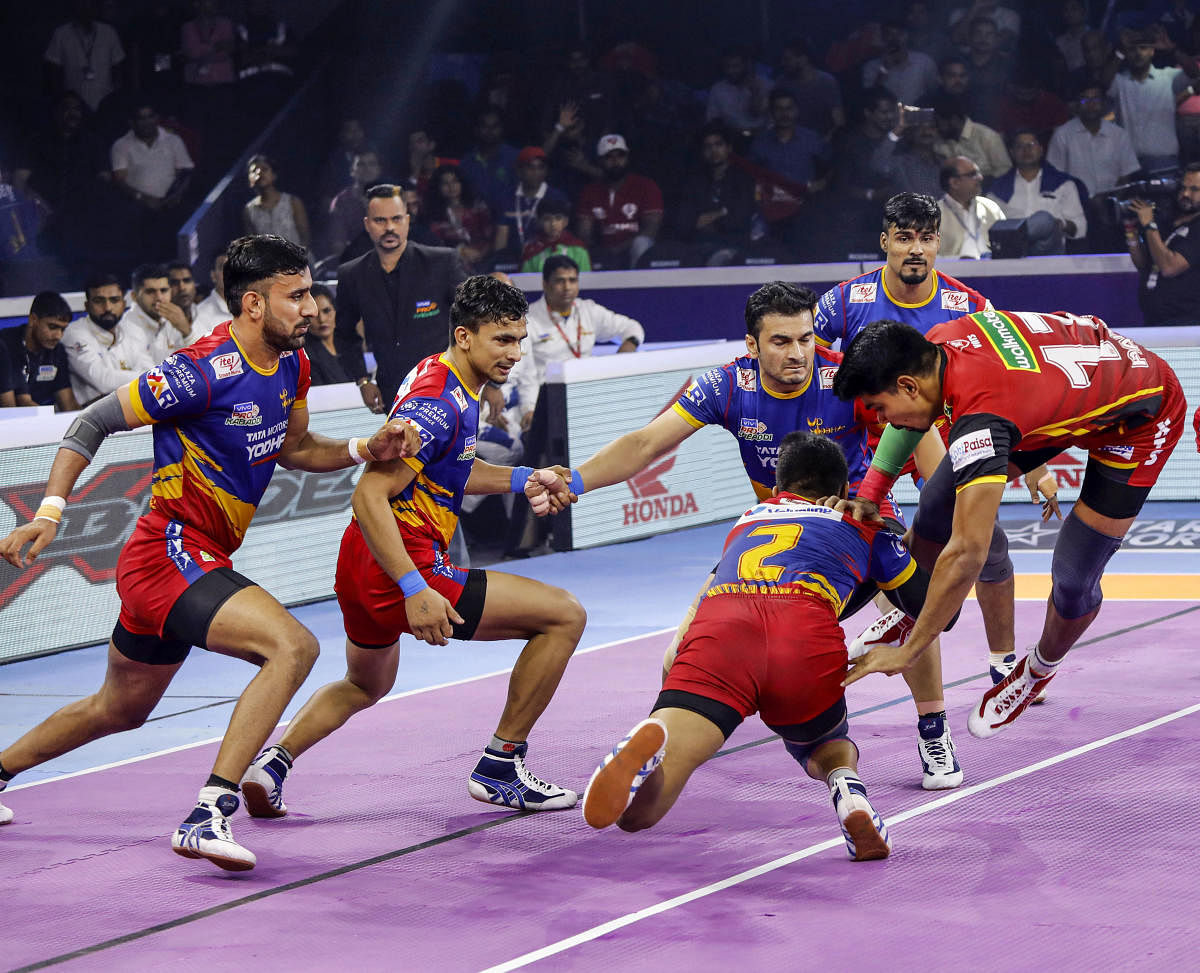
[(1159, 190)]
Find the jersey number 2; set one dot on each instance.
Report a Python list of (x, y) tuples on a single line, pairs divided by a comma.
[(782, 538)]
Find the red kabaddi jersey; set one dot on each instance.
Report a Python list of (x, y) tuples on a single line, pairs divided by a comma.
[(616, 211)]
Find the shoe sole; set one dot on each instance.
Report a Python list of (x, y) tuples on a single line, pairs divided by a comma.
[(228, 864), (257, 800), (943, 783), (869, 845), (607, 794)]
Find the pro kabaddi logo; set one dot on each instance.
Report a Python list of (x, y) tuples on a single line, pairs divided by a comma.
[(652, 499), (1007, 341), (102, 513)]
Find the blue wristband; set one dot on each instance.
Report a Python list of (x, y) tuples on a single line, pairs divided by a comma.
[(412, 583), (576, 483), (520, 476)]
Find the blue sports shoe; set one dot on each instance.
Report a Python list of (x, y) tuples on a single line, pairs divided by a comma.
[(617, 780), (262, 784), (206, 832), (865, 833), (500, 778)]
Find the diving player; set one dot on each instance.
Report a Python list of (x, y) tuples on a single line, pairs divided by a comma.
[(225, 411), (1018, 387), (394, 574)]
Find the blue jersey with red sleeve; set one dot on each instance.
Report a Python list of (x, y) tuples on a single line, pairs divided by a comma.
[(846, 308), (733, 396), (219, 423), (434, 399), (788, 545)]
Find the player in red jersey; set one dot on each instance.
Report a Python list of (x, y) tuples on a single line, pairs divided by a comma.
[(766, 639), (225, 411), (1019, 387), (394, 574)]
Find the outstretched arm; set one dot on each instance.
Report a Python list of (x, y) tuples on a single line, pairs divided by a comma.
[(634, 451), (314, 453)]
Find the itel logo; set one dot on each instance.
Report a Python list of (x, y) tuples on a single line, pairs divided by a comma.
[(652, 500), (102, 513)]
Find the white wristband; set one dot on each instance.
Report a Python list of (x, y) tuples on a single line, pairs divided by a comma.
[(58, 502), (355, 453)]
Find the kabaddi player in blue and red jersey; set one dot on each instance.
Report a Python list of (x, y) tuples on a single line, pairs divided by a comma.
[(1018, 387), (783, 384), (395, 576), (766, 639), (224, 412)]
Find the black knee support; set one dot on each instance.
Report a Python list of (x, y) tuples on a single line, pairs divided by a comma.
[(1080, 556)]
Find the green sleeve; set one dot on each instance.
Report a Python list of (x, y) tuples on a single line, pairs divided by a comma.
[(580, 256), (894, 449)]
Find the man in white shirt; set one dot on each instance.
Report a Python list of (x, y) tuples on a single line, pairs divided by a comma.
[(153, 321), (85, 51), (102, 352), (1144, 98), (212, 310), (961, 135), (966, 216), (1099, 153), (1045, 198), (150, 164)]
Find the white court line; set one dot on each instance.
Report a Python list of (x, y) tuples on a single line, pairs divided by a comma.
[(627, 920), (386, 699)]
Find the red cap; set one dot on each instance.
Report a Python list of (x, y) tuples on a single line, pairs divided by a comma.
[(529, 153)]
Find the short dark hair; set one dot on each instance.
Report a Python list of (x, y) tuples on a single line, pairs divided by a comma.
[(717, 128), (560, 261), (145, 272), (554, 204), (912, 211), (385, 190), (261, 158), (953, 59), (811, 466), (1191, 167), (777, 297), (1024, 130), (50, 304), (179, 265), (320, 290), (879, 354), (95, 281), (483, 299), (252, 259), (779, 93)]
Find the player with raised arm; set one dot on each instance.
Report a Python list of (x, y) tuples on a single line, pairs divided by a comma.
[(225, 411), (784, 383), (1018, 387), (766, 639), (394, 574), (910, 289)]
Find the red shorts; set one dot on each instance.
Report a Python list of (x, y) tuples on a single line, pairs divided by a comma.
[(783, 656), (159, 562), (372, 603), (1137, 457)]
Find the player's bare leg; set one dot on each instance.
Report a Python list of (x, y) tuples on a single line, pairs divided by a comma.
[(836, 764)]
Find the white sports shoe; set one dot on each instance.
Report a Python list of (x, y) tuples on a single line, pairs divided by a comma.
[(5, 815), (262, 784), (206, 832), (864, 830), (894, 628), (999, 670), (938, 760), (1006, 700), (615, 782)]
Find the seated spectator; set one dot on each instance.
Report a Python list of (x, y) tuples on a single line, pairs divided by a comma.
[(1005, 21), (717, 206), (40, 372), (272, 211), (423, 161), (784, 148), (1073, 15), (490, 165), (817, 93), (954, 77), (909, 161), (853, 175), (183, 290), (739, 99), (418, 228), (82, 54), (589, 91), (553, 239), (101, 353), (1097, 152), (350, 143), (1027, 104), (990, 68), (516, 224), (349, 206), (212, 310), (153, 322), (1144, 99), (151, 166), (909, 75), (1047, 199), (966, 215), (961, 135), (619, 218), (327, 368), (457, 218)]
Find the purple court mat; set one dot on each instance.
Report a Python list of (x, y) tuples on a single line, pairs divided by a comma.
[(385, 863)]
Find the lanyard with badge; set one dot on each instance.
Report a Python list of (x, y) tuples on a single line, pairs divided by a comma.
[(974, 234), (86, 48), (577, 348)]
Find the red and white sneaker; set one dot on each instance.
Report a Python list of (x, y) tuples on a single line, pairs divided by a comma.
[(894, 628), (1006, 700)]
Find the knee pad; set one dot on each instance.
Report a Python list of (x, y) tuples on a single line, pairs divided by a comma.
[(801, 739), (935, 509), (1080, 556), (998, 566)]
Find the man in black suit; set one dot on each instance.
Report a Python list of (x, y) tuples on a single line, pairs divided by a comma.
[(401, 292)]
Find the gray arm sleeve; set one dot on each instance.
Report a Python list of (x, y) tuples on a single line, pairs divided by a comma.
[(102, 418)]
